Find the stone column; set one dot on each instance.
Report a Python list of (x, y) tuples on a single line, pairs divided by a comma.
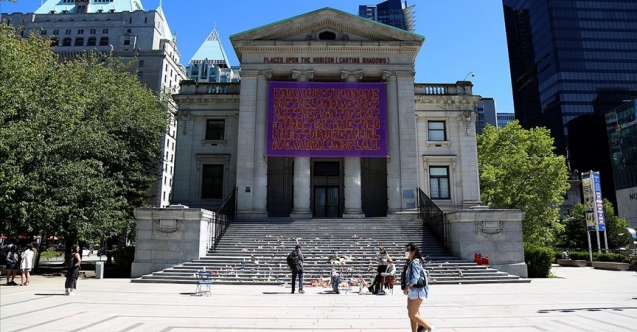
[(353, 202), (259, 203), (394, 202), (301, 208), (469, 153), (246, 142)]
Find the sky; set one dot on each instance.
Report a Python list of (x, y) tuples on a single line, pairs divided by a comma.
[(461, 36)]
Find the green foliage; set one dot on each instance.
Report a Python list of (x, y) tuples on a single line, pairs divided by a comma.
[(50, 253), (574, 234), (79, 141), (611, 258), (582, 255), (519, 170), (124, 257), (633, 261), (538, 260)]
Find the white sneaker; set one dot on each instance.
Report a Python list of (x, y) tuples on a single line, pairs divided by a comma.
[(66, 293), (71, 294)]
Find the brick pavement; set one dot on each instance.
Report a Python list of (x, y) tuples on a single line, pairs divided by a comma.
[(581, 299)]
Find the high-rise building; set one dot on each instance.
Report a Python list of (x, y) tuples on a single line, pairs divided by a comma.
[(486, 114), (504, 118), (391, 12), (210, 63), (122, 29), (621, 126), (572, 59)]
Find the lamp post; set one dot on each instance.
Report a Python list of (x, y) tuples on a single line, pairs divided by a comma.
[(470, 73)]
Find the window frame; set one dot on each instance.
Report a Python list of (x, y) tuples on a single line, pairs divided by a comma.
[(216, 193), (438, 178), (211, 139), (211, 159), (430, 130)]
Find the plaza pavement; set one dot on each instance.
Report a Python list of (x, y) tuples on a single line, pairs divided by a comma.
[(580, 299)]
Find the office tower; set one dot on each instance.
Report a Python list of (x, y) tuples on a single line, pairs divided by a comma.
[(391, 12), (486, 114), (122, 29), (504, 118), (572, 59), (210, 63)]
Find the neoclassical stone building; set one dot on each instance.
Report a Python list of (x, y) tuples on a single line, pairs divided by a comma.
[(326, 122)]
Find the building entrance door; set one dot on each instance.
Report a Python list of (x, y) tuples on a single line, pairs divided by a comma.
[(326, 202), (327, 189)]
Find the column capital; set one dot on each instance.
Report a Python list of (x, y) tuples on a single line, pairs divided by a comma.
[(302, 75), (249, 73), (388, 74), (267, 74), (351, 75), (467, 117)]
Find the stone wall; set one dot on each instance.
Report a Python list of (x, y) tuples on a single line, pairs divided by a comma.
[(493, 233), (168, 237)]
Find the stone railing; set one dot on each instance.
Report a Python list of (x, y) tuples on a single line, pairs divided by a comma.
[(459, 88), (189, 87)]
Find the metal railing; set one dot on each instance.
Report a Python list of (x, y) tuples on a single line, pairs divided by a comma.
[(222, 219), (433, 218)]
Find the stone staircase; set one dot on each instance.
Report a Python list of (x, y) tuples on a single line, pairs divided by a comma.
[(254, 252)]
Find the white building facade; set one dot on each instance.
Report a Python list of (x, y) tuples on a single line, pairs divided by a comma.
[(122, 29), (410, 136)]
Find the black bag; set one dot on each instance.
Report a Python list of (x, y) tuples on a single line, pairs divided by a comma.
[(422, 281), (293, 260)]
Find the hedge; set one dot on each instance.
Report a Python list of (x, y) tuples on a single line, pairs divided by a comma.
[(584, 255), (538, 260)]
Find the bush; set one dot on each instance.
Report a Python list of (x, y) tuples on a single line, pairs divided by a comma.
[(538, 260), (51, 253), (633, 261), (582, 255), (124, 257), (612, 258)]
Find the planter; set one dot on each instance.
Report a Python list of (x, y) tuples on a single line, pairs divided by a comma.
[(571, 262), (613, 266)]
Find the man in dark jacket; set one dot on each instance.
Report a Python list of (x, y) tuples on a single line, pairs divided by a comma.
[(295, 262)]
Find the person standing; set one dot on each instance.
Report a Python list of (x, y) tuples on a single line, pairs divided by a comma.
[(12, 264), (26, 264), (295, 262), (414, 285), (73, 272)]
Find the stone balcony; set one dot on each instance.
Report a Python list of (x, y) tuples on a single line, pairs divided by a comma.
[(460, 88), (190, 87)]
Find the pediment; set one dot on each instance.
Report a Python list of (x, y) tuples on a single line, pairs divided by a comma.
[(327, 25)]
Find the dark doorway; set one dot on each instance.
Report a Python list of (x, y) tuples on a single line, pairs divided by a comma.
[(280, 186), (327, 196), (374, 187)]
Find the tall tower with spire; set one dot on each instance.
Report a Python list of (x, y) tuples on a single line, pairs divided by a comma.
[(125, 30), (210, 63)]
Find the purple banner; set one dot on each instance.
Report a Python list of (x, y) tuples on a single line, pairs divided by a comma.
[(314, 119)]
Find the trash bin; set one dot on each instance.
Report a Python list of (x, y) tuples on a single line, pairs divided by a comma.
[(99, 270)]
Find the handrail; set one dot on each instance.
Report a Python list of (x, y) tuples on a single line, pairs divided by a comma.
[(223, 217), (433, 218)]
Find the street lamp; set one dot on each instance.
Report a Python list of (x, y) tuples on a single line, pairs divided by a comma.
[(470, 73)]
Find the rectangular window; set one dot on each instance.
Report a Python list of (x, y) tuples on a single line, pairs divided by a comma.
[(436, 131), (129, 30), (127, 42), (212, 182), (439, 182), (56, 32), (104, 31), (68, 31), (80, 31), (215, 129), (93, 31), (140, 74), (43, 32), (141, 63)]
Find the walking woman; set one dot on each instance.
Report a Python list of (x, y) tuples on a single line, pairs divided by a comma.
[(26, 264), (415, 291), (73, 272)]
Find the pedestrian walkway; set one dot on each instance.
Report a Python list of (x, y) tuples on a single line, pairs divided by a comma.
[(581, 299)]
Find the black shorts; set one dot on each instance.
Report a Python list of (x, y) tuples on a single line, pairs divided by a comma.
[(11, 266)]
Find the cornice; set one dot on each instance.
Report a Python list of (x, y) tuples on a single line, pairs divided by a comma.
[(448, 100), (313, 49)]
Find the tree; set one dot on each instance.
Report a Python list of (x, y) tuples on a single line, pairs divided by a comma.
[(574, 234), (79, 141), (519, 170)]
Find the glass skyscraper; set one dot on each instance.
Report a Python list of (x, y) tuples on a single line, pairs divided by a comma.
[(571, 61), (390, 12)]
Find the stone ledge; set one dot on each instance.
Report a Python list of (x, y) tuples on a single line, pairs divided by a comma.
[(571, 262), (613, 266)]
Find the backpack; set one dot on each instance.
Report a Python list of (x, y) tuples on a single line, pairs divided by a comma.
[(12, 258), (293, 259)]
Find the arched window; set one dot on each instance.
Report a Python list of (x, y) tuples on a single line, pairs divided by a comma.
[(79, 41), (55, 42), (66, 42), (92, 41), (327, 35), (104, 41)]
